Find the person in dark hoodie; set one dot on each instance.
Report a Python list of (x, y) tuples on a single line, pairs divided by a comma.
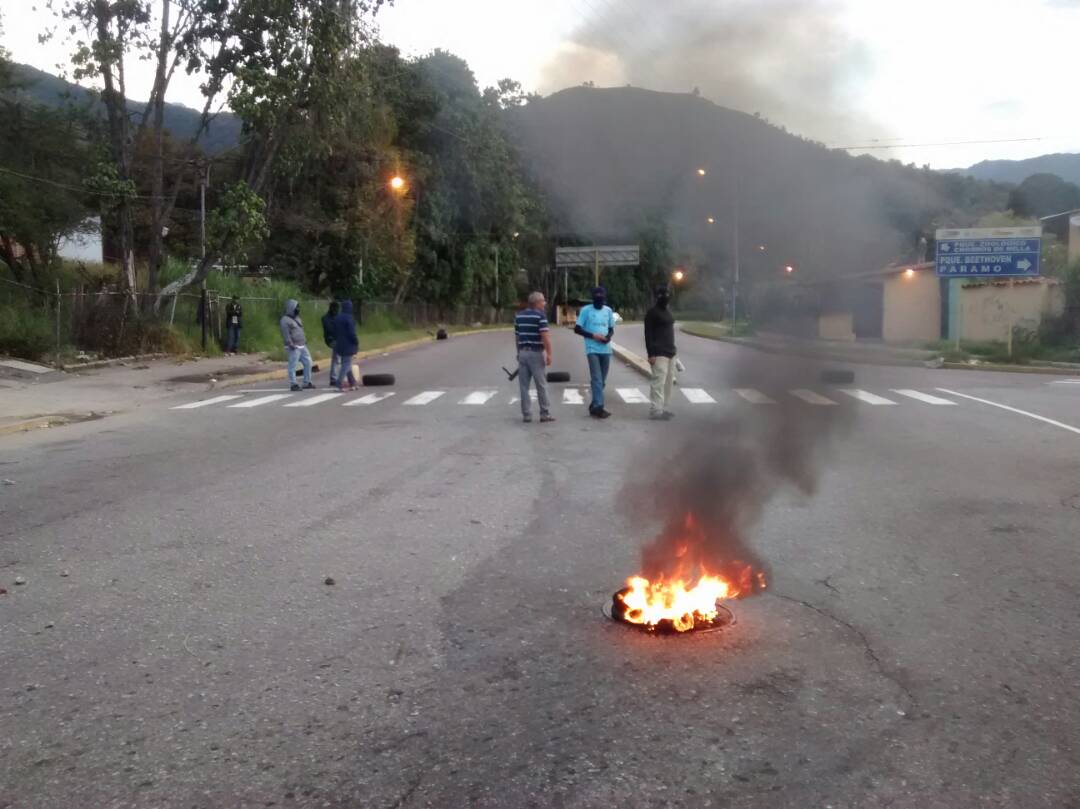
[(296, 350), (328, 338), (596, 324), (233, 322), (346, 344), (660, 348)]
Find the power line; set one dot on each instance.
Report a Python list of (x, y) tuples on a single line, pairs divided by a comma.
[(939, 143)]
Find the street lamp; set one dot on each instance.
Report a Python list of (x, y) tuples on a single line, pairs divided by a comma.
[(711, 220), (397, 183), (789, 269), (678, 276), (701, 172)]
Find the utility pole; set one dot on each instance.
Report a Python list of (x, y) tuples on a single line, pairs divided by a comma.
[(202, 249), (496, 276), (735, 284)]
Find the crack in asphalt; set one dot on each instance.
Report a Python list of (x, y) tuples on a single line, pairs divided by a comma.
[(913, 702)]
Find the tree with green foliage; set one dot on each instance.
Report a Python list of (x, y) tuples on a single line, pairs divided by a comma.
[(42, 157), (1042, 195)]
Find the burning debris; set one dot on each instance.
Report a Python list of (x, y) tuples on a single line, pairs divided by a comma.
[(712, 493), (686, 587)]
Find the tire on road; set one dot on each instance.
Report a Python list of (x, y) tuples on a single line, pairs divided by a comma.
[(376, 380), (441, 334), (558, 376), (837, 376)]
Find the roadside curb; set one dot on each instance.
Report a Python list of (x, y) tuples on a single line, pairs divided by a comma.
[(282, 373), (634, 360), (1048, 368), (1012, 369), (27, 425), (89, 366), (51, 420)]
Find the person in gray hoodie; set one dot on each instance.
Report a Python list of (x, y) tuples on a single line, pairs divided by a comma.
[(296, 350)]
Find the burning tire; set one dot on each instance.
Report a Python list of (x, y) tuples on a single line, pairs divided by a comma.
[(376, 380), (558, 376), (837, 376), (722, 619)]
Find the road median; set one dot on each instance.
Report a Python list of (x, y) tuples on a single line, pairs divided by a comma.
[(874, 355)]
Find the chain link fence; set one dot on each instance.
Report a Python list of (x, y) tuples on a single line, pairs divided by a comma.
[(83, 323)]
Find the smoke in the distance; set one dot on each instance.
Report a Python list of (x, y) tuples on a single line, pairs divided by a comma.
[(791, 60), (723, 474)]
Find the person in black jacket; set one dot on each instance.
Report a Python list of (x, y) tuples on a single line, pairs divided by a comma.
[(660, 347), (233, 322), (346, 344), (328, 338)]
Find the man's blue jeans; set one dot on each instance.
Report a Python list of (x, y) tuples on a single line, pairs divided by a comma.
[(232, 338), (335, 367), (344, 373), (299, 355), (598, 371)]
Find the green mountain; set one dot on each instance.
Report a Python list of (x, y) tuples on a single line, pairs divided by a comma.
[(180, 121), (1065, 166), (606, 156)]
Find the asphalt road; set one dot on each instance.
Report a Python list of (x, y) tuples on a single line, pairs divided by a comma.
[(917, 645)]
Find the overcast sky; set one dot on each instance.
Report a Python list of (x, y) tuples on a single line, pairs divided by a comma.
[(844, 72)]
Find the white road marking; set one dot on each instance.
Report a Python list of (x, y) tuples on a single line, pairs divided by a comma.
[(1065, 382), (261, 400), (478, 397), (810, 397), (632, 396), (532, 397), (754, 396), (697, 396), (314, 400), (866, 396), (427, 397), (1035, 416), (205, 402), (572, 396), (922, 397), (370, 399)]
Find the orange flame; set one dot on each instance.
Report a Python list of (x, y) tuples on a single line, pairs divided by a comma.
[(688, 594)]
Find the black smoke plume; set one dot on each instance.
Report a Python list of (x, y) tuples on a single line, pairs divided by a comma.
[(719, 476)]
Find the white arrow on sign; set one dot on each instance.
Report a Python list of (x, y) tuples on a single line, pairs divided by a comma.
[(1023, 265)]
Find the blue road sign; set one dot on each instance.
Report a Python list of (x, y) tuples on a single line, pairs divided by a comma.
[(989, 252)]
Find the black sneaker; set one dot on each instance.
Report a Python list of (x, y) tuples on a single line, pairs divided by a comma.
[(547, 419), (294, 387), (602, 414), (527, 419), (309, 386), (592, 410)]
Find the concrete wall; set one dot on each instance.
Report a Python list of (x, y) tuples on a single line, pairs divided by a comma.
[(912, 308), (988, 309), (836, 326)]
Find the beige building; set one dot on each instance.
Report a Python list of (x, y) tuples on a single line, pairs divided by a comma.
[(911, 305), (908, 305), (988, 309)]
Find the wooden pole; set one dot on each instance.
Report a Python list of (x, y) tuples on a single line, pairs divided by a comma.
[(1012, 317)]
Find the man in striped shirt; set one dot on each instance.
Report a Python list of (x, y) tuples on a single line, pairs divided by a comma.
[(534, 355)]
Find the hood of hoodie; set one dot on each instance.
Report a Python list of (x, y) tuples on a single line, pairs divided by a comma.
[(346, 308), (290, 307)]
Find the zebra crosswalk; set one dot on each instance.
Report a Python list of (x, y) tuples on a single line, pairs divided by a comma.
[(697, 398)]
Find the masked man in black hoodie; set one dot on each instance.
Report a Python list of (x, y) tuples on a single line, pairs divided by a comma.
[(660, 347)]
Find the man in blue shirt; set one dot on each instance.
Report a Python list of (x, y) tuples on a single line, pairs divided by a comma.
[(596, 324), (533, 338)]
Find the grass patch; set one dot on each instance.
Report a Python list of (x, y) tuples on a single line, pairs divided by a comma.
[(719, 329)]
